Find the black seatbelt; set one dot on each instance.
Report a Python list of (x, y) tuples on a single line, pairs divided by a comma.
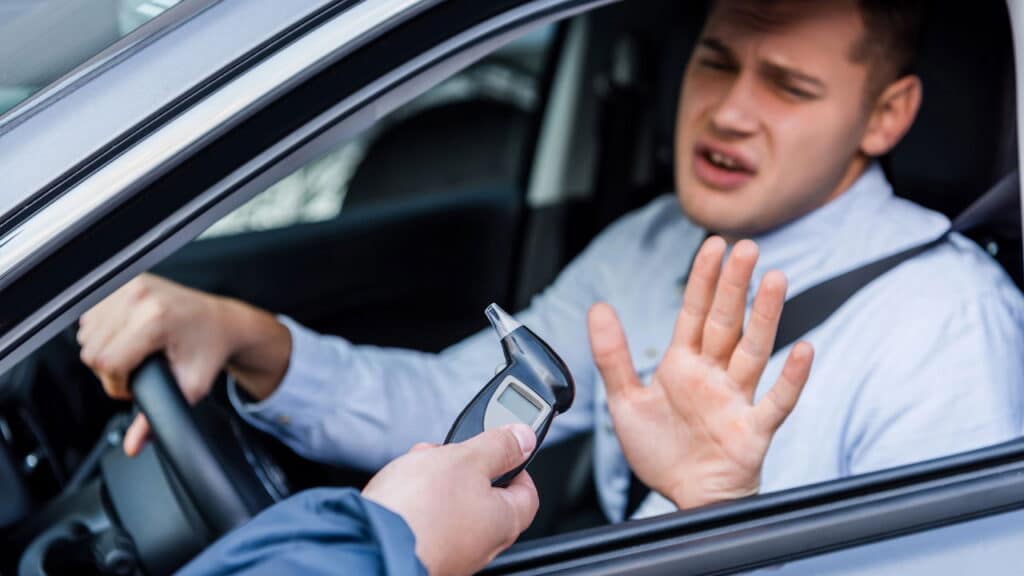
[(810, 308), (1000, 206)]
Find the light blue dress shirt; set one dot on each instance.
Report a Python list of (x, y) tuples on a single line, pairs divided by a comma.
[(924, 362)]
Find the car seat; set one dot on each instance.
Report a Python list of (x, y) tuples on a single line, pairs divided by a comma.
[(460, 145)]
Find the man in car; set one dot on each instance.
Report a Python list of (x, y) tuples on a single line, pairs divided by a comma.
[(784, 109)]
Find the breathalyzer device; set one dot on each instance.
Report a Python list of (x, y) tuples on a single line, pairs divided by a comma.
[(532, 388)]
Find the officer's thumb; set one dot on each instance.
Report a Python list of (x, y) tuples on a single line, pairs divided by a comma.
[(495, 452)]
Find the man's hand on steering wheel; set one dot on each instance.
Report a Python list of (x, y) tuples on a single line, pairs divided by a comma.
[(199, 333)]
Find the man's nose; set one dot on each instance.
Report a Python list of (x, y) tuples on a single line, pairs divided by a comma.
[(736, 114)]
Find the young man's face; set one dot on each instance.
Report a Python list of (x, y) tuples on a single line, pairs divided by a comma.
[(772, 113)]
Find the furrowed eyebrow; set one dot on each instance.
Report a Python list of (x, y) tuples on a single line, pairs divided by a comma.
[(770, 69), (716, 45), (792, 74)]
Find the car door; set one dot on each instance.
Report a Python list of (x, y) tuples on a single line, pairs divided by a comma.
[(215, 162)]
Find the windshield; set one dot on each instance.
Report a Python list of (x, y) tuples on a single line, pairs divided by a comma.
[(41, 40)]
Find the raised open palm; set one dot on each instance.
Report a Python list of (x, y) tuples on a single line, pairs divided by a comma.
[(695, 434)]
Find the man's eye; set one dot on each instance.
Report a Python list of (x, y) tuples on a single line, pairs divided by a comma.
[(798, 93), (717, 65)]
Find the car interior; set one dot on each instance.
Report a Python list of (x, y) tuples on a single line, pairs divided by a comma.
[(402, 236)]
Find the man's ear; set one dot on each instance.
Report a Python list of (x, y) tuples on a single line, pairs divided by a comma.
[(892, 115)]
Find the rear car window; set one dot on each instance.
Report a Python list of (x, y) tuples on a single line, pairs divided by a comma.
[(501, 91)]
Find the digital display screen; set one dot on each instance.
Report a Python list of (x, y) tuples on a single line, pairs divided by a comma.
[(515, 402)]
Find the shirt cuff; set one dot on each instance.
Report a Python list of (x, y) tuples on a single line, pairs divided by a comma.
[(291, 395)]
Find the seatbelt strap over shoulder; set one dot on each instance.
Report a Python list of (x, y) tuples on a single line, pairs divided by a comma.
[(810, 308)]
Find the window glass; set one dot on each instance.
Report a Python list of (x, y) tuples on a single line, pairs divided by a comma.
[(41, 40), (501, 89)]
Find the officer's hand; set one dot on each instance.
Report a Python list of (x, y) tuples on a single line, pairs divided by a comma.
[(445, 495), (695, 435), (198, 332)]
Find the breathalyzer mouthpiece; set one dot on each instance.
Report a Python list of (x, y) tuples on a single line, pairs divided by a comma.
[(503, 323)]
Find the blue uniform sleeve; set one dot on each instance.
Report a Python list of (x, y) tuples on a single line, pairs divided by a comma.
[(321, 531)]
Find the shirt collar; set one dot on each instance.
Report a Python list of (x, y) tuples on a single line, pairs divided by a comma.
[(802, 248)]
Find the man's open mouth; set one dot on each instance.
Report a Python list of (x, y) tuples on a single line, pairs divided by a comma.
[(724, 160), (721, 169)]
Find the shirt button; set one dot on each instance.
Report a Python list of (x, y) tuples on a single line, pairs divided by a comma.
[(652, 353), (284, 419)]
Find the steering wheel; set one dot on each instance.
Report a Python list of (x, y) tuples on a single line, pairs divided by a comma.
[(183, 448)]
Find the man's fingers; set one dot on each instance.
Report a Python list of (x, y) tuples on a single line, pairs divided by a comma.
[(115, 387), (94, 337), (136, 340), (102, 323), (725, 319), (497, 451), (611, 351), (777, 404), (755, 347), (83, 332), (136, 435), (194, 376), (700, 290), (523, 502)]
